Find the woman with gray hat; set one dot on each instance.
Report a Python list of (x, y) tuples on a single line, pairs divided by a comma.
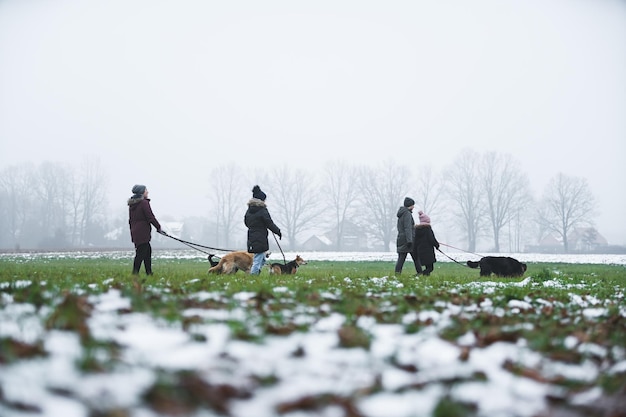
[(140, 219)]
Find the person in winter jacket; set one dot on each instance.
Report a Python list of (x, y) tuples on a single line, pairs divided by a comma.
[(404, 241), (425, 243), (140, 219), (258, 221)]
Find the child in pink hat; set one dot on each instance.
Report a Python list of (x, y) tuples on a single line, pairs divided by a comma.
[(425, 243)]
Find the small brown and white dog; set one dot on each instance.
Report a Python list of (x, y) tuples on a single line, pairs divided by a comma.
[(232, 262), (288, 268)]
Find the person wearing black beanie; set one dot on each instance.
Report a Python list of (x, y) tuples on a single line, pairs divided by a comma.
[(404, 241), (258, 221), (258, 193)]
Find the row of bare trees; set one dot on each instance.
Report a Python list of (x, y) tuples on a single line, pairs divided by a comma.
[(479, 197), (52, 205)]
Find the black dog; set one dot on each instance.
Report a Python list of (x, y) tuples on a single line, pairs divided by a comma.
[(502, 266)]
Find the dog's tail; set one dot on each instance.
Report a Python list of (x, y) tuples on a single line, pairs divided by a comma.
[(212, 261), (216, 267), (473, 264)]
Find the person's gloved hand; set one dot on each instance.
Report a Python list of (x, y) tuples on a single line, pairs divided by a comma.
[(162, 232), (280, 235)]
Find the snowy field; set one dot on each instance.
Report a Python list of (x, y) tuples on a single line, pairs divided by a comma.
[(400, 375), (606, 259)]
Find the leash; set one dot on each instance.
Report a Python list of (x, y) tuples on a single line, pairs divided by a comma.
[(452, 259), (281, 249), (195, 246), (462, 250)]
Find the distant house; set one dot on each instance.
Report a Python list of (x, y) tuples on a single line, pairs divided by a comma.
[(317, 243), (353, 239), (173, 228), (580, 240), (117, 234), (120, 236), (586, 239), (549, 244)]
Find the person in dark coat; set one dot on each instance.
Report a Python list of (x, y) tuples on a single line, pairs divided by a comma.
[(258, 221), (404, 241), (140, 219), (425, 243)]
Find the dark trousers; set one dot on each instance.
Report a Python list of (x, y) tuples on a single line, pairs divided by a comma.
[(402, 258), (143, 253)]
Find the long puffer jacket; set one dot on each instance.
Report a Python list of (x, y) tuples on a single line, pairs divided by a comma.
[(140, 217), (425, 244), (405, 230), (258, 220)]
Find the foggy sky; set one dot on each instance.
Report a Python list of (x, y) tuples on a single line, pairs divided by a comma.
[(163, 91)]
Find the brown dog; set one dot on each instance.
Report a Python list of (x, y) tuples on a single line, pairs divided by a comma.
[(232, 262), (288, 268)]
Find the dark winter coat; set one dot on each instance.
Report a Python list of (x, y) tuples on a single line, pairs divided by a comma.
[(140, 217), (258, 220), (425, 244), (405, 227)]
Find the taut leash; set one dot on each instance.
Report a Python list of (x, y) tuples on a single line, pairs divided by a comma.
[(452, 259), (195, 246), (462, 250), (281, 249)]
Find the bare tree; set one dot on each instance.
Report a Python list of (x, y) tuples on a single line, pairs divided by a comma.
[(297, 203), (4, 214), (383, 190), (86, 187), (430, 190), (506, 190), (74, 207), (17, 185), (227, 191), (567, 203), (464, 190), (521, 227), (52, 190), (340, 194)]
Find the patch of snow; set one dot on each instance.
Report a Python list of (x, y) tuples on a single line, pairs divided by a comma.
[(303, 363)]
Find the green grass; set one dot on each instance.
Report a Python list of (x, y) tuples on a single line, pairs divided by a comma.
[(357, 288), (553, 319)]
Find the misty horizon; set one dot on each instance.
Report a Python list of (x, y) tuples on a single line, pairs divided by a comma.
[(68, 208), (162, 94)]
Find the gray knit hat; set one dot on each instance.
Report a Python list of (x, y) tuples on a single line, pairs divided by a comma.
[(139, 189)]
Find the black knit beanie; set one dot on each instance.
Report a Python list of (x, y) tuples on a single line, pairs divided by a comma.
[(258, 194)]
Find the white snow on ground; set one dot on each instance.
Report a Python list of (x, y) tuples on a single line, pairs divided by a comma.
[(149, 344), (337, 256)]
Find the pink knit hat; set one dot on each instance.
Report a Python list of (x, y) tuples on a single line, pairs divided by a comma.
[(424, 217)]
